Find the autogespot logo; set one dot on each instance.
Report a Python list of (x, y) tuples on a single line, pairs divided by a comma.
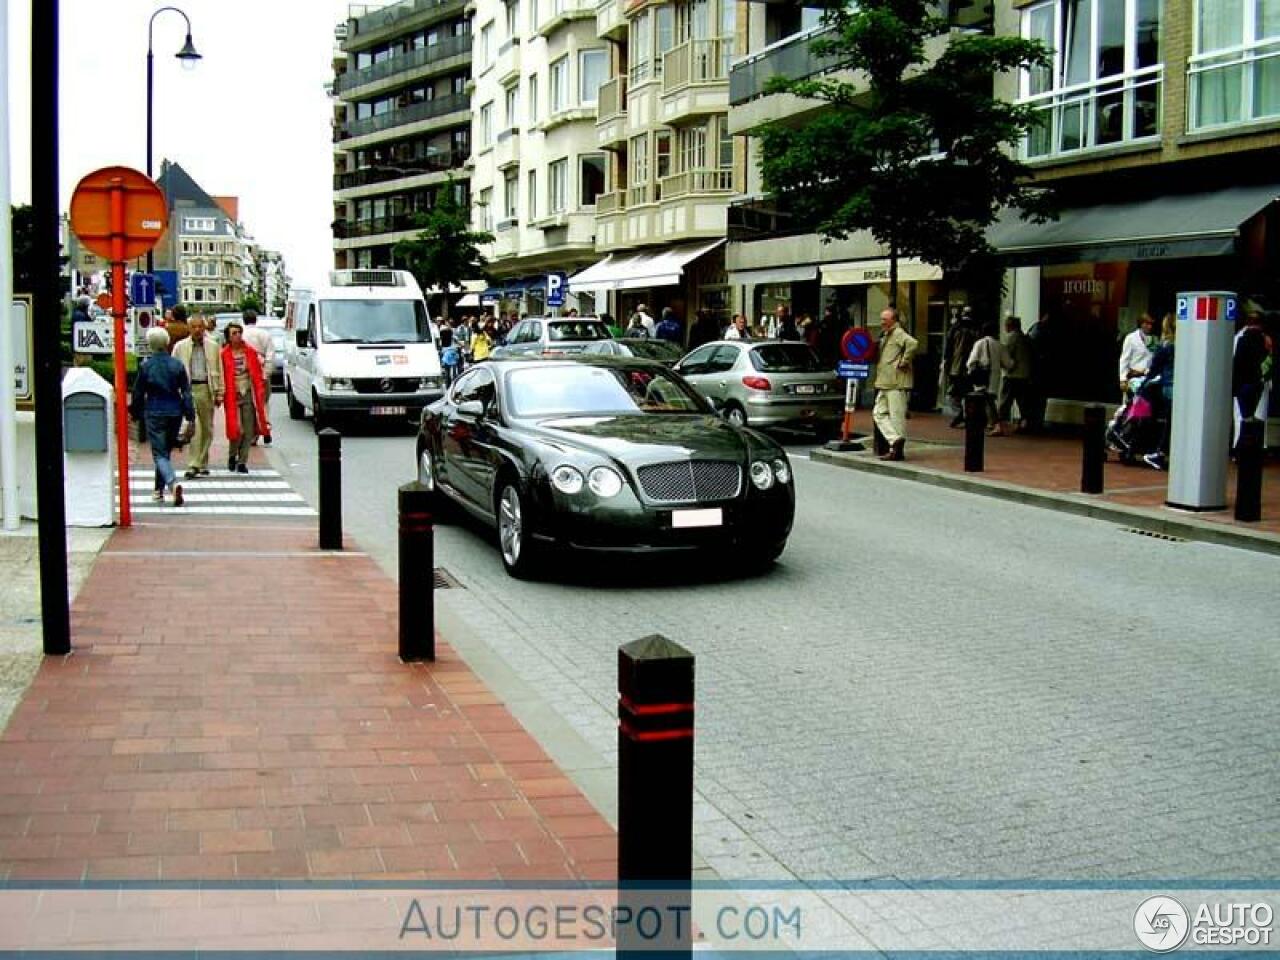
[(1161, 924)]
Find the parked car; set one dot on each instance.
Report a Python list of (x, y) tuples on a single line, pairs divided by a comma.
[(606, 454), (663, 351), (551, 336), (767, 383), (275, 325)]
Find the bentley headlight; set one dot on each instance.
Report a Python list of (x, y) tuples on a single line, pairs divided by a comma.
[(782, 472), (566, 479), (338, 384), (761, 475), (604, 482)]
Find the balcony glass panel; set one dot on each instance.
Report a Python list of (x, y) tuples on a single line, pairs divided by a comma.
[(426, 110), (448, 47), (1118, 109), (791, 57)]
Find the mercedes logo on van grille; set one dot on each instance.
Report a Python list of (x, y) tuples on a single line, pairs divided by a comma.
[(386, 386)]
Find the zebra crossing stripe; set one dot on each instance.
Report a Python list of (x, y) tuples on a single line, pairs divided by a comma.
[(223, 474), (239, 511), (195, 485)]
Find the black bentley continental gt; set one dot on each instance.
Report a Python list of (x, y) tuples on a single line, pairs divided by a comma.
[(603, 454)]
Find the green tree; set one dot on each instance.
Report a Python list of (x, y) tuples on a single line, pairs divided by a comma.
[(914, 149), (250, 301), (447, 251)]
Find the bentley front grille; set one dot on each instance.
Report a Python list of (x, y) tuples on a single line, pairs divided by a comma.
[(690, 481)]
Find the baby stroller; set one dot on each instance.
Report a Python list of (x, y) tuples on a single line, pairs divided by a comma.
[(1136, 429)]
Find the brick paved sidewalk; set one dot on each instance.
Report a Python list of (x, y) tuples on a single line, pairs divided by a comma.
[(235, 708), (1051, 462)]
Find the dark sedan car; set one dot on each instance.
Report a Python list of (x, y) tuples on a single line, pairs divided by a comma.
[(603, 454)]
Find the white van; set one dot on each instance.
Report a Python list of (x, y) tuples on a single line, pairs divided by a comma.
[(361, 346)]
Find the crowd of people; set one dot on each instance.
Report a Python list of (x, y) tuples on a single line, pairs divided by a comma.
[(186, 379)]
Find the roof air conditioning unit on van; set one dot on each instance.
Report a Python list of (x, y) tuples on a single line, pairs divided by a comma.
[(367, 278)]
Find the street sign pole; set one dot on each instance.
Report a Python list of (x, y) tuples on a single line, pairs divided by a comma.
[(117, 350)]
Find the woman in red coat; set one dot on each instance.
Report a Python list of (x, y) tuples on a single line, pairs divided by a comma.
[(246, 397)]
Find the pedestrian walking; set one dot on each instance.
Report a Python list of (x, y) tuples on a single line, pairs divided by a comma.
[(1159, 390), (246, 397), (670, 328), (450, 356), (737, 329), (161, 400), (785, 325), (1135, 354), (893, 383), (199, 356), (1252, 370), (260, 339), (642, 312), (483, 340), (636, 329), (1016, 386), (960, 341), (986, 357)]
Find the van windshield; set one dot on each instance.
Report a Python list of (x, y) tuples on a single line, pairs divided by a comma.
[(374, 321)]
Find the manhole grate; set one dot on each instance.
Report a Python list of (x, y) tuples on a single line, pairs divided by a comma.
[(444, 580), (1156, 536)]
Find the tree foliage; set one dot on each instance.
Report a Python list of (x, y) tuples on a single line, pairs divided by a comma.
[(913, 148), (447, 251)]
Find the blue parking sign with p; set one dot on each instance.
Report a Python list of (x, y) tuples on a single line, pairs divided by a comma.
[(557, 285)]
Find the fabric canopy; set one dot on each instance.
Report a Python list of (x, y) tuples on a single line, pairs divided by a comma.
[(1165, 227), (774, 275), (858, 272), (639, 271)]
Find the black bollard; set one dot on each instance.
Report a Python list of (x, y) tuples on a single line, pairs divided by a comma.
[(1095, 449), (1249, 471), (975, 431), (417, 569), (655, 795), (329, 442)]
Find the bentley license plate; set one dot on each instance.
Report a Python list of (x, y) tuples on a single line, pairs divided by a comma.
[(388, 411), (697, 518)]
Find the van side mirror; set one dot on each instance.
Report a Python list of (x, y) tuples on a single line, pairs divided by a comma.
[(301, 338)]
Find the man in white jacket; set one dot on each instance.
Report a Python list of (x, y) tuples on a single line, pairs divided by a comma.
[(1136, 352)]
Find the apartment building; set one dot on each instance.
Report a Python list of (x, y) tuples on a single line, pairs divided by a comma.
[(1160, 134), (537, 171), (401, 123), (672, 164)]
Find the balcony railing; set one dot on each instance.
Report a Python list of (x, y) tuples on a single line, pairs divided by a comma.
[(426, 110), (377, 19), (1232, 86), (1120, 109), (416, 168), (611, 202), (448, 47), (696, 181), (345, 230), (696, 61), (792, 57), (556, 12), (637, 195), (612, 99), (754, 218)]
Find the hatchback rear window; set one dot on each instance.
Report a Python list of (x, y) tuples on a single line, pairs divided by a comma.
[(576, 330), (785, 358)]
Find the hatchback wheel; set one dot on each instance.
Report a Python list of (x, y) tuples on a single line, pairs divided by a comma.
[(735, 415)]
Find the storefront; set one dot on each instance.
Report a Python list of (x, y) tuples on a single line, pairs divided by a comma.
[(1089, 276), (687, 278)]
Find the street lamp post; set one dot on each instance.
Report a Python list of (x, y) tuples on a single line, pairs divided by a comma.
[(189, 57)]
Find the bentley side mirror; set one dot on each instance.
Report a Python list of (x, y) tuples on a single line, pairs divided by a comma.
[(471, 408)]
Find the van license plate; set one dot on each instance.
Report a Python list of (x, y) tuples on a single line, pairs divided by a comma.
[(697, 518), (388, 411)]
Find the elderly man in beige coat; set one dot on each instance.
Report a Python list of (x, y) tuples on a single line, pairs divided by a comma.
[(200, 356), (893, 383)]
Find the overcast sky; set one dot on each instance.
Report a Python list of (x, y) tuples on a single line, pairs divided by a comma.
[(252, 120)]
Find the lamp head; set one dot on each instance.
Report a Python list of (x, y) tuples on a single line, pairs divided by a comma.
[(188, 55)]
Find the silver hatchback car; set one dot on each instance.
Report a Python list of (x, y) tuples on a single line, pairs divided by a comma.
[(767, 383)]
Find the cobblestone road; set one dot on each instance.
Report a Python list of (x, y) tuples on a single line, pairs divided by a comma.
[(928, 685)]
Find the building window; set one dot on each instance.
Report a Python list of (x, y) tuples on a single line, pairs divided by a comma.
[(593, 70), (638, 174), (1104, 84), (590, 179), (485, 59), (486, 126), (511, 194), (557, 186), (513, 106), (560, 85), (531, 194), (640, 47), (484, 209), (533, 16), (692, 144), (1235, 71), (513, 19), (198, 224), (533, 98)]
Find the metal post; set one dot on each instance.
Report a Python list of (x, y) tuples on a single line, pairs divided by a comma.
[(1095, 449), (975, 431), (417, 584), (46, 384), (8, 393), (655, 793), (847, 441), (151, 259), (1249, 471), (329, 442), (117, 349)]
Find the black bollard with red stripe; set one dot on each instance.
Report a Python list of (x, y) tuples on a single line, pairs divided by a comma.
[(417, 575), (329, 444), (655, 794)]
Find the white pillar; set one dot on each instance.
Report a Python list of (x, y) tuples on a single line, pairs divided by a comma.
[(8, 413)]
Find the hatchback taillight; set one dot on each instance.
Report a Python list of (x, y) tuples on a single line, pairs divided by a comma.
[(756, 383)]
